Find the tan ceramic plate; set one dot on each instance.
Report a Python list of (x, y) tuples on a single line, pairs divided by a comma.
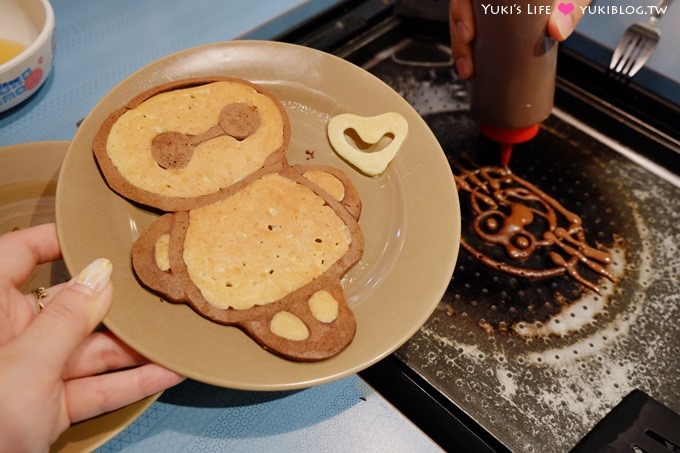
[(411, 220), (28, 181)]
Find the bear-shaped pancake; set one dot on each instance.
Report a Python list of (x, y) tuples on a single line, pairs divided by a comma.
[(247, 240)]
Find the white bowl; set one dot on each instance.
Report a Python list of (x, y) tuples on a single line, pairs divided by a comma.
[(31, 24)]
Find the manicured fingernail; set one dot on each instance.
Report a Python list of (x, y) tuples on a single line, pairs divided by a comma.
[(96, 274), (564, 24), (463, 68), (463, 32)]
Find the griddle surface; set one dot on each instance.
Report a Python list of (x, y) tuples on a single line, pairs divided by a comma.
[(497, 345)]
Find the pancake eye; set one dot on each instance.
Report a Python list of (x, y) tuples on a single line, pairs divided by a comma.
[(239, 120), (172, 149)]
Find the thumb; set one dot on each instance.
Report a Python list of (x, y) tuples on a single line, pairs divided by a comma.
[(71, 316), (564, 17)]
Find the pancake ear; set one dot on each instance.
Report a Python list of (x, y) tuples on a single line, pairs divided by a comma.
[(313, 328), (333, 184)]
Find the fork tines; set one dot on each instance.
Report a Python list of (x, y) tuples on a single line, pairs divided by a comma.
[(634, 49)]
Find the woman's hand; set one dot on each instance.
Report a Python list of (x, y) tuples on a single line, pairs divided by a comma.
[(54, 370), (462, 29)]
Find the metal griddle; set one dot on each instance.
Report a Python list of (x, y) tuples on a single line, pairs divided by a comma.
[(543, 393), (542, 387)]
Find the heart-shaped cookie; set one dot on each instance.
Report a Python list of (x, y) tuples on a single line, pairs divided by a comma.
[(371, 159)]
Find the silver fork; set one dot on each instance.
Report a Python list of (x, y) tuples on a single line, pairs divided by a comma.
[(638, 43)]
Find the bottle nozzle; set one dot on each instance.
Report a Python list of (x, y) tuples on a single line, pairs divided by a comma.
[(506, 154), (507, 137)]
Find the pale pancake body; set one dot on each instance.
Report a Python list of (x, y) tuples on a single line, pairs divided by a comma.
[(263, 242), (217, 163)]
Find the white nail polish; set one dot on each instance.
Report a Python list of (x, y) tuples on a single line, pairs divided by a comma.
[(96, 274)]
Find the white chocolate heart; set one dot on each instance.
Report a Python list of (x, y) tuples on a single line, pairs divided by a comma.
[(371, 130)]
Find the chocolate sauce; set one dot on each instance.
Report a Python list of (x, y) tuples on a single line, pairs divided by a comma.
[(515, 215)]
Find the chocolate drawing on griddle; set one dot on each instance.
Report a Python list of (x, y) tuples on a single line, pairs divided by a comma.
[(513, 215)]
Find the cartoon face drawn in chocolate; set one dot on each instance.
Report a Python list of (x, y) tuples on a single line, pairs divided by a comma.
[(245, 239), (516, 216)]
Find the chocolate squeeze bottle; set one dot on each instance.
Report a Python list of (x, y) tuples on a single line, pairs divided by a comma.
[(515, 61)]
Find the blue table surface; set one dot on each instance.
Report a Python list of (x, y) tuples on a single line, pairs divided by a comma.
[(343, 416), (98, 44)]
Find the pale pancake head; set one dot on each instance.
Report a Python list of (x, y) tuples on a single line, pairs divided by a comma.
[(193, 109)]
